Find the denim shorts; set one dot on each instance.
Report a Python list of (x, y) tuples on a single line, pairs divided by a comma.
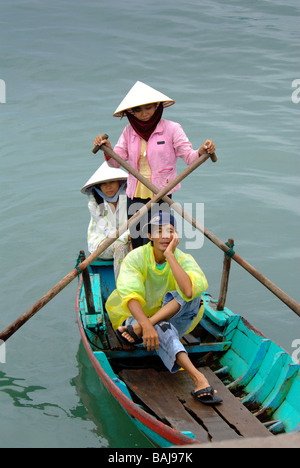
[(170, 331)]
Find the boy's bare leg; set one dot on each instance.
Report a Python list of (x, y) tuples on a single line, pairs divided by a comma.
[(200, 381)]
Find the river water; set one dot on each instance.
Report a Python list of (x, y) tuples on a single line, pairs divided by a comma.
[(231, 67)]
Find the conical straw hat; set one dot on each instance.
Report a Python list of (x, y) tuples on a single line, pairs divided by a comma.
[(104, 174), (139, 95)]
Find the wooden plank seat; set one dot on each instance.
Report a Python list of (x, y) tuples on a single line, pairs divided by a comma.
[(192, 344), (169, 397), (190, 340)]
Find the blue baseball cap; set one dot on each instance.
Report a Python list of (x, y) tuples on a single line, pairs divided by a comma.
[(160, 219)]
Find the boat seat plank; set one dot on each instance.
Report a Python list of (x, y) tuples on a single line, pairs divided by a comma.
[(190, 340), (148, 386)]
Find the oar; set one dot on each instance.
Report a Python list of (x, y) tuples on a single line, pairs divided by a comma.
[(11, 329), (291, 303)]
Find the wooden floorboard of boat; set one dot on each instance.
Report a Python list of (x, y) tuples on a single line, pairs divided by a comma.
[(233, 411), (169, 397)]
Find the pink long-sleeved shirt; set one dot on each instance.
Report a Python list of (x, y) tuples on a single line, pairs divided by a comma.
[(167, 143)]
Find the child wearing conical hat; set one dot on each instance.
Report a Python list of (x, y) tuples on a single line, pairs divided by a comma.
[(151, 145), (107, 205)]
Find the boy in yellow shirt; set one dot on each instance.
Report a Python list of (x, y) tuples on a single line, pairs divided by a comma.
[(158, 300)]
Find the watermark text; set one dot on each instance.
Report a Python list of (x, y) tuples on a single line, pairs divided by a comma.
[(296, 353), (2, 92), (296, 93), (193, 238), (2, 352)]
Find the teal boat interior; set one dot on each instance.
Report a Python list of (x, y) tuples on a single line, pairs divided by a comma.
[(261, 376)]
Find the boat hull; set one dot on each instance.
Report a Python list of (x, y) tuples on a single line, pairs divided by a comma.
[(256, 370)]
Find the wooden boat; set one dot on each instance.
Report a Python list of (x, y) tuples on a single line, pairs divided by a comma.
[(258, 381)]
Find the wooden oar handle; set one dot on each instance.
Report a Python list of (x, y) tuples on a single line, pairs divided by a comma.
[(97, 147), (213, 156)]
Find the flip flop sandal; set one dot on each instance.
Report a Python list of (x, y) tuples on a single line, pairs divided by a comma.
[(210, 399), (130, 332)]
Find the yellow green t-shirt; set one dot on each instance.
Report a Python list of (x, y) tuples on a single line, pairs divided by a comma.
[(140, 279)]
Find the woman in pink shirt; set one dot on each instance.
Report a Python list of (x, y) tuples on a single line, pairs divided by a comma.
[(151, 145)]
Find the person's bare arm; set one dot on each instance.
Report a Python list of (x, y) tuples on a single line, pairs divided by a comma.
[(181, 277)]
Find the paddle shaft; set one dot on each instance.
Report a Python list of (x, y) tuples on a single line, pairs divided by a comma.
[(291, 303), (20, 321)]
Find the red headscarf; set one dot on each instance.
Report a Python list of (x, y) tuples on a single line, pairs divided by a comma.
[(145, 129)]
